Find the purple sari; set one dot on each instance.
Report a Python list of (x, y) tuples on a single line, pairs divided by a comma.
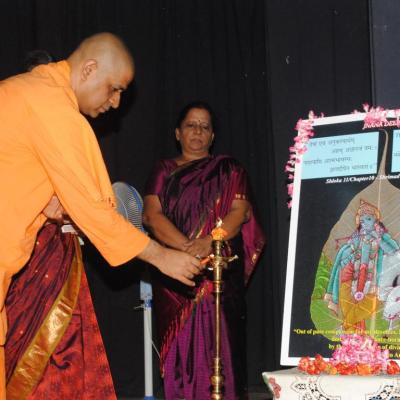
[(193, 196)]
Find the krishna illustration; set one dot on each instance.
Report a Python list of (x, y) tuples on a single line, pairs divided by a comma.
[(352, 291), (357, 281)]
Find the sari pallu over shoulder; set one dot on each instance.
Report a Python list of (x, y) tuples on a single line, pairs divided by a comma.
[(193, 196)]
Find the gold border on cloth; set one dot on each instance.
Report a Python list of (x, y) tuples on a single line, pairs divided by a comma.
[(33, 362)]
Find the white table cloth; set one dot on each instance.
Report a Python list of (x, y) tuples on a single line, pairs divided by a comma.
[(291, 384)]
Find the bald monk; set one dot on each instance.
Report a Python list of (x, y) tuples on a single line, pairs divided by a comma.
[(50, 163)]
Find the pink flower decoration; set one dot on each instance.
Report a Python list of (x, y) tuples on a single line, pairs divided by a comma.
[(375, 116), (360, 349), (288, 168), (305, 132)]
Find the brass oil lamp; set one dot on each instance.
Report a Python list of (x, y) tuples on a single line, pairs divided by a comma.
[(217, 263)]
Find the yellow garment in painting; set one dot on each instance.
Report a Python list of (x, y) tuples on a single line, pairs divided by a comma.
[(355, 312)]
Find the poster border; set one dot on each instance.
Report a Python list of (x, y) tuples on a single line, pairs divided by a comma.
[(285, 359)]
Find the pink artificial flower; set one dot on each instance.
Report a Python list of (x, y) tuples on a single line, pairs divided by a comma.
[(361, 350), (297, 127), (289, 168), (302, 150), (305, 131)]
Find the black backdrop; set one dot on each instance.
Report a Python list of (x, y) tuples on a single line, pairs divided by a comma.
[(385, 41), (262, 64)]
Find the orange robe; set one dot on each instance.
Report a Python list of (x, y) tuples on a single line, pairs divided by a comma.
[(47, 147)]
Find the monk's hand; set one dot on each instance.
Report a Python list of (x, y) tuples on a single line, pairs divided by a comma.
[(180, 266), (174, 263), (200, 248), (54, 210)]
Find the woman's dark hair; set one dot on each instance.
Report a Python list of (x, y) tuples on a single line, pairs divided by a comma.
[(35, 58), (197, 104)]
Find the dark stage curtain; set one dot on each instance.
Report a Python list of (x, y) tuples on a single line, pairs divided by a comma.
[(262, 64), (385, 40)]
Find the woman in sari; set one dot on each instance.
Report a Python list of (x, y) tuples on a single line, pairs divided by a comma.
[(184, 198)]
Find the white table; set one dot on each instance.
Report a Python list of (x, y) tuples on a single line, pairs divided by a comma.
[(291, 384)]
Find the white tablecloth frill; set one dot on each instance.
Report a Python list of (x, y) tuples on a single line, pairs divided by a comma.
[(291, 384)]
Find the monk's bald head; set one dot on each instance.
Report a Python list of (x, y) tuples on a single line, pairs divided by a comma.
[(104, 47), (101, 68)]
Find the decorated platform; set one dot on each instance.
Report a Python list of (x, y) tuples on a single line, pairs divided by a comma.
[(291, 384)]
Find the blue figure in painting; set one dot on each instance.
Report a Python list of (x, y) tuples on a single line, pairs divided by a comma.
[(352, 291)]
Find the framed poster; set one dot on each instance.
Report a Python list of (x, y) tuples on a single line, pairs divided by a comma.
[(343, 271)]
